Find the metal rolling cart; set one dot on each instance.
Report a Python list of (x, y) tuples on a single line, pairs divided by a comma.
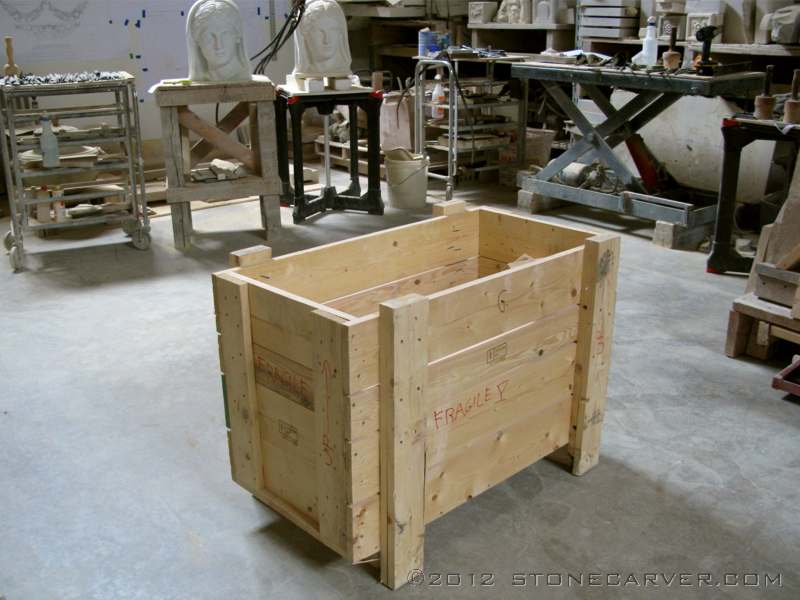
[(454, 105), (126, 168)]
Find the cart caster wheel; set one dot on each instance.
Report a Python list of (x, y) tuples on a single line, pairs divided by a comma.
[(8, 240), (15, 258), (129, 226), (140, 240)]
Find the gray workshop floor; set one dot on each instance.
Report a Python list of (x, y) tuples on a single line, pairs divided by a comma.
[(114, 478)]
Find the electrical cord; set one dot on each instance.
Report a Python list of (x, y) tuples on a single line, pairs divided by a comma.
[(270, 51)]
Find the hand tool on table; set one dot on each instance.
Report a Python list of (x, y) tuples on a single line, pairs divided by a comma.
[(10, 69), (672, 58), (765, 102), (791, 109)]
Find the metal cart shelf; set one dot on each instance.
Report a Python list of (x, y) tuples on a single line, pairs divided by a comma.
[(21, 183)]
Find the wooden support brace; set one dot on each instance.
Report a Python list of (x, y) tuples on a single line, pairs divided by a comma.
[(232, 307), (247, 257), (402, 334), (449, 207), (217, 138), (228, 123), (593, 356)]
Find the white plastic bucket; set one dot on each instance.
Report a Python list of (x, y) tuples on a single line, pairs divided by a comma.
[(407, 178)]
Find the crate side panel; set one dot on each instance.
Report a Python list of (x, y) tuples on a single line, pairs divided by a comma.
[(474, 312), (328, 272), (481, 436), (504, 237), (427, 282), (472, 369), (288, 442)]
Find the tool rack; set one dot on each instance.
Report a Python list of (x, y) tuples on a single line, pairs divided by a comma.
[(124, 131), (455, 105)]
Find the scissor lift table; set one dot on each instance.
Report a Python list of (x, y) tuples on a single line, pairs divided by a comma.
[(651, 195)]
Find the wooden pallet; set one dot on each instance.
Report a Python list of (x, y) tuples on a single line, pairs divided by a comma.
[(340, 155), (374, 384)]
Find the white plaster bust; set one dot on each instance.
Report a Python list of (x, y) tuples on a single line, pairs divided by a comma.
[(321, 47), (514, 11), (785, 25), (215, 41)]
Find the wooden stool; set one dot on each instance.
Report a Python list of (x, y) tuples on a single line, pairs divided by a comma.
[(254, 100)]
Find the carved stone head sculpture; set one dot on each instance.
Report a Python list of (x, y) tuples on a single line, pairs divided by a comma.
[(215, 41), (321, 47)]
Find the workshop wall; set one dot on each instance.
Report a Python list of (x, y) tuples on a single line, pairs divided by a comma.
[(145, 38)]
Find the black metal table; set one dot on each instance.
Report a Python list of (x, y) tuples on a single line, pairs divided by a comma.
[(655, 92), (295, 103), (737, 133)]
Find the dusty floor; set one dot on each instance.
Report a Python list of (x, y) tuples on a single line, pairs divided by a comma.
[(114, 479)]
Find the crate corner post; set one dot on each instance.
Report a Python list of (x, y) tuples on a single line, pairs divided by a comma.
[(403, 360), (593, 358)]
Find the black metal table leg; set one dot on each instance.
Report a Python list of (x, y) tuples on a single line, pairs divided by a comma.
[(355, 184), (724, 258), (374, 201), (296, 110)]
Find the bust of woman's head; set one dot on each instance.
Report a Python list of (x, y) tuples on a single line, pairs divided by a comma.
[(321, 47), (215, 41)]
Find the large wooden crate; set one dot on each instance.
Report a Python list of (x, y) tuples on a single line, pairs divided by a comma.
[(374, 384)]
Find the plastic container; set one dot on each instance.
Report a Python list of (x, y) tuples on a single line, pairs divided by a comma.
[(438, 97), (407, 178), (649, 55), (49, 144), (428, 43)]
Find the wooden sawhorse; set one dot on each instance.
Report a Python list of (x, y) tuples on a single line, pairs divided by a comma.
[(254, 100)]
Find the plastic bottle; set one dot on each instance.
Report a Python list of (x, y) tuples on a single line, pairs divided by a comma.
[(48, 143), (438, 97), (649, 54)]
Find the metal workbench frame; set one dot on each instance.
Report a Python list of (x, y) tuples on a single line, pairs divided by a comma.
[(124, 110), (655, 92)]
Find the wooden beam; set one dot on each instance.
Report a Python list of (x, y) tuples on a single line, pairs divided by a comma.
[(595, 336), (790, 260), (402, 334), (739, 326), (247, 257), (228, 123), (449, 207), (232, 307), (217, 138)]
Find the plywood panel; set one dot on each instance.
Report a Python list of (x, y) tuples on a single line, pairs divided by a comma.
[(283, 376)]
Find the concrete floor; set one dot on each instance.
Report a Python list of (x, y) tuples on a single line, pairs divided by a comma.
[(114, 479)]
